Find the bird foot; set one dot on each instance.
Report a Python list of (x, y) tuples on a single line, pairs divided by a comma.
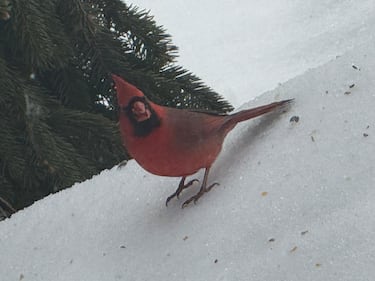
[(180, 188), (196, 197)]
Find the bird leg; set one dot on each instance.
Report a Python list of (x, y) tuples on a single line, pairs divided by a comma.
[(202, 191), (180, 188)]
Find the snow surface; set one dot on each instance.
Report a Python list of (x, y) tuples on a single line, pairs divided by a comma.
[(243, 48), (296, 201)]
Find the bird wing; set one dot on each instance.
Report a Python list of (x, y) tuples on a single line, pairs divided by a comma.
[(209, 112)]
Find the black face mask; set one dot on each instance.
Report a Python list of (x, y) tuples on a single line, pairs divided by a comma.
[(142, 128)]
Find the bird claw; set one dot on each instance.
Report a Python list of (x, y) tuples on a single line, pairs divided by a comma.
[(180, 188), (196, 197)]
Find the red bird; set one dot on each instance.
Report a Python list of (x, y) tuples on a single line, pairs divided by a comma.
[(175, 142)]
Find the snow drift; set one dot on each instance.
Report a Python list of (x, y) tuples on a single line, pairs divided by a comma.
[(296, 201)]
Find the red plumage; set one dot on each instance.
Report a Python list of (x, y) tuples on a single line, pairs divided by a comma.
[(179, 142)]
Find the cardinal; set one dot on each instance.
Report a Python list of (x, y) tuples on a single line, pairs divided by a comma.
[(174, 142)]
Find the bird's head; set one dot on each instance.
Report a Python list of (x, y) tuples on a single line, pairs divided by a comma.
[(135, 107)]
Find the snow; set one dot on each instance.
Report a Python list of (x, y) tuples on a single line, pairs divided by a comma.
[(243, 48), (295, 201)]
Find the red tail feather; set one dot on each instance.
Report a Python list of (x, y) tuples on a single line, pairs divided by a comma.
[(243, 115)]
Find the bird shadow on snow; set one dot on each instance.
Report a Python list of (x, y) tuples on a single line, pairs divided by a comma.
[(236, 149)]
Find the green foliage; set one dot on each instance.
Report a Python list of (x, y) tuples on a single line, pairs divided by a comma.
[(57, 106)]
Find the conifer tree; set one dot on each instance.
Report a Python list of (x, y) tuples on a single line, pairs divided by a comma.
[(57, 105)]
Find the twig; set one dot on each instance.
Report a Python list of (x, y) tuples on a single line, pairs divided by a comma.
[(8, 205)]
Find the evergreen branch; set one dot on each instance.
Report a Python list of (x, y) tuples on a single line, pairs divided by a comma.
[(7, 196), (30, 25), (87, 37), (70, 87), (52, 155), (139, 33), (190, 92), (11, 102), (7, 205), (12, 151), (95, 136)]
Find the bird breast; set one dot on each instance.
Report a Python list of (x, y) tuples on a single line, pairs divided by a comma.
[(184, 143)]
